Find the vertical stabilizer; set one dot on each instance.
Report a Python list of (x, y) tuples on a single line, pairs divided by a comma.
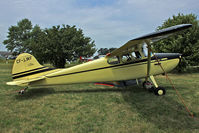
[(25, 64)]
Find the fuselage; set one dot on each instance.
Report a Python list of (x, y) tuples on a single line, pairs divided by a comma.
[(107, 69)]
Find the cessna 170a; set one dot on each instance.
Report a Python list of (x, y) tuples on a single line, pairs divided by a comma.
[(125, 63)]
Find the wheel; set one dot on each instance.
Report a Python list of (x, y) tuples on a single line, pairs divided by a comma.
[(160, 91), (148, 85), (21, 92)]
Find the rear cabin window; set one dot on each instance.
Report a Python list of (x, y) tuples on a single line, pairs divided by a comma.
[(113, 60)]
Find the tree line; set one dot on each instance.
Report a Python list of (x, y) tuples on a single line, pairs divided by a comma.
[(186, 42), (63, 42), (55, 45)]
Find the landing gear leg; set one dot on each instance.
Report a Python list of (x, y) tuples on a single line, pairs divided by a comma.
[(21, 92), (138, 82)]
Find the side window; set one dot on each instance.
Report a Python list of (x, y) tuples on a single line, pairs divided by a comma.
[(126, 58), (113, 60), (136, 55)]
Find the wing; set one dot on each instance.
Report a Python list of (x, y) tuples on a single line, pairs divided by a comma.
[(152, 37), (25, 82)]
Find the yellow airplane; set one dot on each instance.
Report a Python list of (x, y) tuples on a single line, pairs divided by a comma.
[(130, 61)]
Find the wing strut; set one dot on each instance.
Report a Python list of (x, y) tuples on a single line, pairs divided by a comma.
[(149, 59)]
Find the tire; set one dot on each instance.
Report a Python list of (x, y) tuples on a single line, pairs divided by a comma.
[(159, 91)]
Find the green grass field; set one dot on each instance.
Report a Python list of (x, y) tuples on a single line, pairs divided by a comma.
[(89, 108)]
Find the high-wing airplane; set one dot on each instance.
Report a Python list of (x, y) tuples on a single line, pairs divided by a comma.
[(130, 61)]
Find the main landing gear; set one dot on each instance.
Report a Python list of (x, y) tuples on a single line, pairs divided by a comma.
[(22, 91), (153, 87)]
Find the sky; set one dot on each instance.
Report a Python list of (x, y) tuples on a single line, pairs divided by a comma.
[(110, 23)]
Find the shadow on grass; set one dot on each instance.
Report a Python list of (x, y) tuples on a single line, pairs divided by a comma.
[(104, 90), (163, 111), (39, 92), (35, 93)]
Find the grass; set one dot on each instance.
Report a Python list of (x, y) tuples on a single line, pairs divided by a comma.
[(89, 108)]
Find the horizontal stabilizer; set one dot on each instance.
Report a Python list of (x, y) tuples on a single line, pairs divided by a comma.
[(25, 82)]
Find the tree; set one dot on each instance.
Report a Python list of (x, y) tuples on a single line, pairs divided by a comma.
[(37, 43), (54, 44), (186, 42), (18, 36), (66, 42), (104, 51)]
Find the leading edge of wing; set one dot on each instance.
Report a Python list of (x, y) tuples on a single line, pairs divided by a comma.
[(154, 36), (164, 32)]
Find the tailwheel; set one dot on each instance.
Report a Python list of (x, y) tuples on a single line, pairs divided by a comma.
[(160, 91), (22, 91), (148, 86)]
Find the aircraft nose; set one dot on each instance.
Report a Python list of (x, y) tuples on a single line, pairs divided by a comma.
[(168, 60), (168, 55), (180, 57), (174, 55)]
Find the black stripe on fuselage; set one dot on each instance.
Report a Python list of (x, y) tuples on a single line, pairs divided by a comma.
[(31, 73), (135, 63), (28, 71), (95, 69)]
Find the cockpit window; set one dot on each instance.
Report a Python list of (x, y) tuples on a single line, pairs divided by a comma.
[(136, 55), (113, 60), (145, 50), (131, 57)]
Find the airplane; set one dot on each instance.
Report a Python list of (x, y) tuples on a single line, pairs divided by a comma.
[(130, 61)]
